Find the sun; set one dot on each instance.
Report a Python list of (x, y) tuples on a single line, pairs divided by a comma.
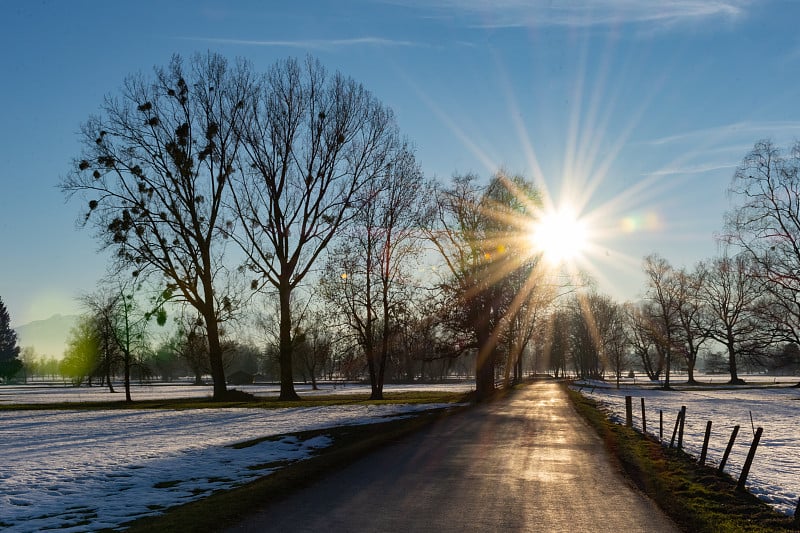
[(560, 236)]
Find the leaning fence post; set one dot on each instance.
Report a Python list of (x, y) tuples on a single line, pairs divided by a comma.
[(628, 411), (675, 430), (680, 430), (728, 449), (705, 443), (644, 420), (749, 461), (660, 425)]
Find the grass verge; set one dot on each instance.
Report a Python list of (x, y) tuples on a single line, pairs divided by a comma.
[(697, 498), (226, 508)]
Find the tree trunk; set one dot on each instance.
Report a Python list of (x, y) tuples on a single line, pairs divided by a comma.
[(384, 354), (108, 374), (127, 352), (215, 357), (732, 366), (369, 352), (667, 362), (690, 362), (128, 377), (484, 362), (212, 332), (287, 378)]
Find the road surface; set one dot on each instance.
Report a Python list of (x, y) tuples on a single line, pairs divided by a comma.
[(528, 463)]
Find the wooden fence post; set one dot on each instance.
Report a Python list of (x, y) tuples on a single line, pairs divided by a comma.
[(675, 429), (660, 425), (680, 431), (644, 420), (749, 461), (628, 411), (797, 514), (705, 443), (728, 449)]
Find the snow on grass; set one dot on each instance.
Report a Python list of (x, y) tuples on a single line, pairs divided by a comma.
[(48, 393), (775, 474), (86, 470)]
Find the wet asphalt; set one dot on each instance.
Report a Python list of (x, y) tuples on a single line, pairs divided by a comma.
[(528, 463)]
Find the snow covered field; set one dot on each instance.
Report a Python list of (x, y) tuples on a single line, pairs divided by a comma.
[(87, 470), (775, 474)]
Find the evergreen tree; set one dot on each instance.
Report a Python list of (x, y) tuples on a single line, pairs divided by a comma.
[(10, 364)]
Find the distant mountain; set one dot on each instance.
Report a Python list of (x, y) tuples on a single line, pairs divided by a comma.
[(48, 337)]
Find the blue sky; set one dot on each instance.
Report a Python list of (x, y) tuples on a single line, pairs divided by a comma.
[(636, 111)]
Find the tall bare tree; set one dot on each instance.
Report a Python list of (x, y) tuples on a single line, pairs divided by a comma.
[(730, 293), (121, 328), (693, 331), (765, 222), (154, 174), (597, 338), (642, 339), (663, 299), (312, 140), (369, 273)]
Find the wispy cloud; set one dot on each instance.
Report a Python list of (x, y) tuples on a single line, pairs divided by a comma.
[(692, 169), (309, 44), (582, 13), (746, 128)]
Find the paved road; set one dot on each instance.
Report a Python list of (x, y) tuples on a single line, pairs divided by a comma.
[(526, 464)]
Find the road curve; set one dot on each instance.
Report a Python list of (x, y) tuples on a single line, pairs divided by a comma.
[(529, 463)]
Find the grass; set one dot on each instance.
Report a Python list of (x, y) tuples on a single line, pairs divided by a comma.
[(697, 498), (225, 508)]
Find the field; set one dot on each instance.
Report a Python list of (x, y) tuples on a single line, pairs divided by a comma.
[(79, 470), (773, 405)]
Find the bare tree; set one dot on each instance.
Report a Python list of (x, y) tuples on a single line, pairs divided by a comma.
[(191, 344), (314, 346), (369, 273), (555, 341), (609, 328), (663, 299), (617, 344), (312, 141), (596, 334), (529, 317), (642, 339), (693, 330), (154, 174), (765, 223), (121, 329), (730, 294), (102, 315)]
